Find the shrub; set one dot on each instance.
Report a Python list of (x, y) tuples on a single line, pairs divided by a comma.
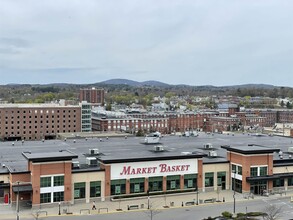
[(227, 214)]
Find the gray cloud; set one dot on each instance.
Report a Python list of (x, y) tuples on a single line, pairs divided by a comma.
[(194, 42)]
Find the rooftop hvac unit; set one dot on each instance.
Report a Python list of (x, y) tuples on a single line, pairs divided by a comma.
[(158, 148), (290, 149), (94, 151), (75, 164), (207, 146), (212, 153), (91, 161)]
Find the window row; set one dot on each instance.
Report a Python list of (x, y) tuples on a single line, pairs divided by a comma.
[(50, 181), (80, 189)]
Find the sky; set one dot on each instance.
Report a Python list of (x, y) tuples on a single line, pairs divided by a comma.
[(206, 42)]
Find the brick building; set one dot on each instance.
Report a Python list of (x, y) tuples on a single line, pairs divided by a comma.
[(93, 95), (78, 171), (36, 122)]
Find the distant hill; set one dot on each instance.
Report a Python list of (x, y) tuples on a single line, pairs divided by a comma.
[(133, 83)]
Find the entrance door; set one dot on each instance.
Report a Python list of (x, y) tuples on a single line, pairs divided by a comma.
[(258, 188)]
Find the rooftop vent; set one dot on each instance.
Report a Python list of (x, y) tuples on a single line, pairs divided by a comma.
[(75, 164), (208, 146), (94, 151), (92, 161), (158, 148), (213, 153)]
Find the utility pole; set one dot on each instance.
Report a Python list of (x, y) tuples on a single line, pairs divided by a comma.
[(234, 171), (17, 207)]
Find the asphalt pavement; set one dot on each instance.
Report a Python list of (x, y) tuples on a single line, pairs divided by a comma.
[(193, 199)]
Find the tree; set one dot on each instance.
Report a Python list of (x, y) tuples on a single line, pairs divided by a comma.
[(272, 212)]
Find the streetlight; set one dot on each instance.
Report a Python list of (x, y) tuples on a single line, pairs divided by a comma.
[(234, 172), (196, 195), (59, 208), (17, 209), (148, 194)]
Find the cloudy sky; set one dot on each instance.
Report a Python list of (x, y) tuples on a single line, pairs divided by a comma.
[(206, 42)]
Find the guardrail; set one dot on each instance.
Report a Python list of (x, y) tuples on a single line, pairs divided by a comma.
[(102, 209), (39, 212), (82, 210), (130, 207)]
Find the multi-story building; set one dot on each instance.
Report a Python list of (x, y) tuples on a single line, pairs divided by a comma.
[(38, 121), (85, 170), (93, 95), (86, 116)]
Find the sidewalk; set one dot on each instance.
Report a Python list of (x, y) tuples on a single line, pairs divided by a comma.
[(157, 202)]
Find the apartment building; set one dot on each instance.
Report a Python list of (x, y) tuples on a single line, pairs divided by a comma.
[(38, 121), (93, 95)]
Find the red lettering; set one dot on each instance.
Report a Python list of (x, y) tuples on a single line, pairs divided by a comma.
[(133, 171), (144, 170), (138, 170), (187, 166), (125, 171), (178, 168), (163, 167)]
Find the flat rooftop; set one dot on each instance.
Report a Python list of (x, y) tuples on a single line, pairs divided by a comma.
[(116, 149)]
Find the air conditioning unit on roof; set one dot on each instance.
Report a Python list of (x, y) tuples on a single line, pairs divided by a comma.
[(212, 153), (207, 146), (159, 148), (91, 161), (94, 151), (75, 164)]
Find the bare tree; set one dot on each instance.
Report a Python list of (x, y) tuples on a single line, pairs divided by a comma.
[(152, 212), (272, 212)]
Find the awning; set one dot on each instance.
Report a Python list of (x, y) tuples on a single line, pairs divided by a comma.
[(269, 177), (22, 188), (4, 185)]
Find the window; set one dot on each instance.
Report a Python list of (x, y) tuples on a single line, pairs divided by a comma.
[(118, 187), (45, 181), (239, 170), (253, 171), (209, 179), (221, 179), (173, 182), (156, 183), (137, 185), (190, 181), (58, 180), (263, 171), (290, 181), (58, 196), (79, 190), (278, 183), (45, 197), (95, 189)]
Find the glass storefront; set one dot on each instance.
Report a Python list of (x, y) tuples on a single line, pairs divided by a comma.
[(221, 180), (209, 179), (190, 181), (79, 190), (237, 185), (278, 183), (137, 185), (258, 187), (118, 187), (173, 182), (156, 184), (95, 189)]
